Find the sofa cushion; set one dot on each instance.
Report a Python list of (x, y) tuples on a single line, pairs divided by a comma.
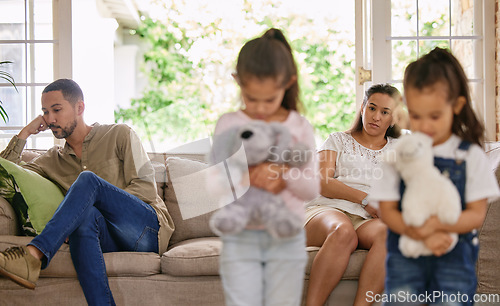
[(187, 199), (488, 266), (41, 195), (197, 257), (193, 257), (8, 220), (353, 267), (117, 263)]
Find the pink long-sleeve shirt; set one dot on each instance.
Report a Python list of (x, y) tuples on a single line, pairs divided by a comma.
[(303, 184)]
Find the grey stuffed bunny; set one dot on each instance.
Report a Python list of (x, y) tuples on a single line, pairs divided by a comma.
[(261, 142)]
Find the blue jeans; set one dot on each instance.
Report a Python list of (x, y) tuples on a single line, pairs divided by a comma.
[(257, 269), (98, 218), (446, 280)]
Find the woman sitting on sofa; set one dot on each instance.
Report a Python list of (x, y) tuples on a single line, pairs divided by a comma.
[(341, 220)]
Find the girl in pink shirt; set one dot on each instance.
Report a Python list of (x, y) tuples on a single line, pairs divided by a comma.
[(255, 267)]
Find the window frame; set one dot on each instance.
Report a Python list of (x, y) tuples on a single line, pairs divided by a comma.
[(62, 60), (375, 54)]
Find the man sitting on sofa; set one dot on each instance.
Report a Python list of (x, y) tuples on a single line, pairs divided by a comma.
[(111, 202)]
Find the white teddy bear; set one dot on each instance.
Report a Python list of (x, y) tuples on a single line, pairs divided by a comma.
[(427, 193)]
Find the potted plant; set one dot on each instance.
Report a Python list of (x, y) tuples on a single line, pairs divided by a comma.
[(9, 78)]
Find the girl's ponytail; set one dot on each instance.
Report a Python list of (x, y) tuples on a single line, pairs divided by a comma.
[(270, 56), (278, 35)]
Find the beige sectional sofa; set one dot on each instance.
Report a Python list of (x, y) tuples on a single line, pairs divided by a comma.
[(187, 274)]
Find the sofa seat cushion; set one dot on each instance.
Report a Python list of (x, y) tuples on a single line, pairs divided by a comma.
[(117, 263), (353, 268), (192, 257), (200, 257)]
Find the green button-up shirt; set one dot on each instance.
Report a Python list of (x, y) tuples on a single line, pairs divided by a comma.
[(114, 153)]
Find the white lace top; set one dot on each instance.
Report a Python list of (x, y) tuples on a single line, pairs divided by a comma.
[(356, 166)]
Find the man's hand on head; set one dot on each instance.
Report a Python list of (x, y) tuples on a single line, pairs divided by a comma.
[(34, 127)]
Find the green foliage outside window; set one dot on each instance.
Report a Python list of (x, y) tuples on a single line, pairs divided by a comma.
[(186, 94)]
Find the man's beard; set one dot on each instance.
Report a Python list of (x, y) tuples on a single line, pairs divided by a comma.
[(65, 132)]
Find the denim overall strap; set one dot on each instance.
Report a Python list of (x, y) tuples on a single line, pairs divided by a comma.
[(455, 169), (451, 274)]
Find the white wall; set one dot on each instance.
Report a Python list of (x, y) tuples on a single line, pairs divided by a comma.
[(93, 60), (130, 79), (125, 74)]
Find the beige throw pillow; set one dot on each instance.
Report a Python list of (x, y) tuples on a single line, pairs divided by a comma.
[(187, 199)]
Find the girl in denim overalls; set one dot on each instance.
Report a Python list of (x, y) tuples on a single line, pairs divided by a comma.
[(438, 100)]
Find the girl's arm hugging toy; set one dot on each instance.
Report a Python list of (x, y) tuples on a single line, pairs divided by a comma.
[(262, 142), (427, 192)]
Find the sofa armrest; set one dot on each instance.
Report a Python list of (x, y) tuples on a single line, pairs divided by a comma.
[(8, 220), (487, 265)]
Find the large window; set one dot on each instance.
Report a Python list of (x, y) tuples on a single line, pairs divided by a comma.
[(36, 35), (403, 30), (30, 38)]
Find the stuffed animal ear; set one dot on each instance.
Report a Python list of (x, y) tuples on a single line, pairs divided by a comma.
[(224, 145), (283, 138)]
